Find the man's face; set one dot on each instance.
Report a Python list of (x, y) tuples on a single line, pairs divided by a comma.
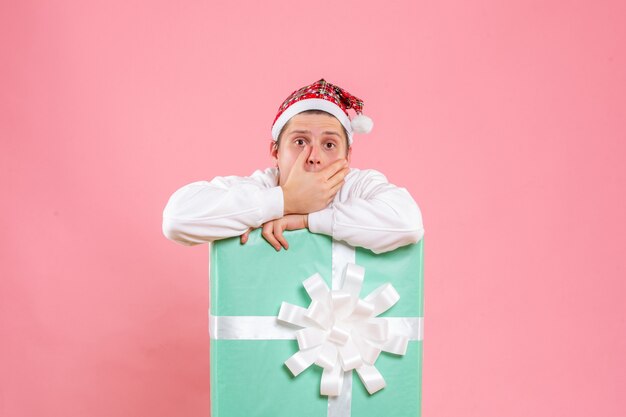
[(320, 134)]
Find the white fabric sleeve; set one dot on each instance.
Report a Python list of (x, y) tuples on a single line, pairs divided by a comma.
[(224, 207), (372, 214)]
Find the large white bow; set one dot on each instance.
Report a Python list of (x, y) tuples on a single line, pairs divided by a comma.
[(340, 332)]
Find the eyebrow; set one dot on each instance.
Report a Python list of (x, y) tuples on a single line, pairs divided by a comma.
[(327, 132)]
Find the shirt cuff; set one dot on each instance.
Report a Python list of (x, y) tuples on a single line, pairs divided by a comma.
[(321, 222), (272, 204)]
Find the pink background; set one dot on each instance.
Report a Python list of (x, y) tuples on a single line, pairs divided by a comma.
[(505, 120)]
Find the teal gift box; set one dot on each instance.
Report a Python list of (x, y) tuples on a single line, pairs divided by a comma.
[(251, 281)]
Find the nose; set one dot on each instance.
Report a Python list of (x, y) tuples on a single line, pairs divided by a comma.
[(314, 156)]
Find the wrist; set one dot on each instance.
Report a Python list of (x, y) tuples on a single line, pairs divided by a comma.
[(286, 202), (305, 218)]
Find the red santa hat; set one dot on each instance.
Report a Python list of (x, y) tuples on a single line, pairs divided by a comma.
[(330, 98)]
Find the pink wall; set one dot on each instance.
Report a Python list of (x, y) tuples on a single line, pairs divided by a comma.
[(505, 120)]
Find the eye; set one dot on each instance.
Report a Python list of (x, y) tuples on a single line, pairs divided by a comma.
[(299, 142), (330, 145)]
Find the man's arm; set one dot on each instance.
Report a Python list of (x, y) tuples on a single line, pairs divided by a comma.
[(225, 207), (370, 212)]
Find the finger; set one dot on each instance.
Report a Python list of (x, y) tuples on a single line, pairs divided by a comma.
[(338, 177), (333, 168), (333, 192), (244, 237), (302, 157), (335, 188), (278, 234), (299, 164), (268, 234)]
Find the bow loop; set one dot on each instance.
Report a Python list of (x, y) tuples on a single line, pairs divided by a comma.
[(316, 287), (383, 298), (340, 332)]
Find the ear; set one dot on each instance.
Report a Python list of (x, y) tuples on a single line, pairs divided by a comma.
[(274, 151), (349, 154)]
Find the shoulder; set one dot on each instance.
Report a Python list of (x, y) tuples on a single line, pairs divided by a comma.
[(267, 177), (358, 175), (365, 181), (360, 178), (262, 178)]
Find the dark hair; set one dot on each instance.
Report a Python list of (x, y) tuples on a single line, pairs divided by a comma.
[(345, 132)]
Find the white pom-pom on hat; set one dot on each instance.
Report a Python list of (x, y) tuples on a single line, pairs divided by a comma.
[(362, 124)]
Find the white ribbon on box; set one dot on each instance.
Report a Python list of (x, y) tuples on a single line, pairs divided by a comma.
[(338, 331)]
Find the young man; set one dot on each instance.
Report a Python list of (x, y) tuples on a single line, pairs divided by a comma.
[(311, 186)]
